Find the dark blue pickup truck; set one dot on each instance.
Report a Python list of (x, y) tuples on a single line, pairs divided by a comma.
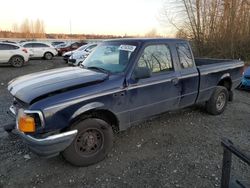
[(75, 111)]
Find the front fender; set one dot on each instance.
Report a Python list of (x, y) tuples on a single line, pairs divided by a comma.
[(85, 108)]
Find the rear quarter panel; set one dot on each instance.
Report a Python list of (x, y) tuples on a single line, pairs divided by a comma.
[(211, 75)]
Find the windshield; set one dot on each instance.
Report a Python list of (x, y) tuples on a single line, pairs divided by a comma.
[(113, 58), (81, 48)]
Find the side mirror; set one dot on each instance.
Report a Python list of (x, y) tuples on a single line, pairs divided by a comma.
[(141, 73)]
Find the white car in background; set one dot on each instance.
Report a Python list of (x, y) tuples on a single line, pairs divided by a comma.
[(13, 54), (40, 50), (87, 48), (79, 56)]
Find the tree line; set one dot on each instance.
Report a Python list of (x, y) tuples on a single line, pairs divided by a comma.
[(218, 28), (30, 29)]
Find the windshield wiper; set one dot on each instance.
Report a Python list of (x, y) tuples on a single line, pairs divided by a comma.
[(98, 69)]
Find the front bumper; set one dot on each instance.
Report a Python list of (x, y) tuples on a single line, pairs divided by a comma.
[(49, 146), (72, 61), (66, 57)]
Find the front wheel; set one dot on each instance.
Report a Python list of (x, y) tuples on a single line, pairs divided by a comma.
[(48, 56), (92, 143), (17, 61), (218, 101)]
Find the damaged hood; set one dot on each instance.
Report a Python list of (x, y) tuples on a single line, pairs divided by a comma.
[(46, 83)]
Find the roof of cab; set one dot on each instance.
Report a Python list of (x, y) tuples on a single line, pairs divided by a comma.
[(146, 40)]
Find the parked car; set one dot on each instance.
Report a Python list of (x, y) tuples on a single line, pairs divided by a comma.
[(8, 41), (62, 45), (56, 43), (80, 55), (13, 54), (69, 47), (84, 48), (245, 81), (40, 50), (79, 109)]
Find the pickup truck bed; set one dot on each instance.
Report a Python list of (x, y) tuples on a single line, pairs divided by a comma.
[(212, 71)]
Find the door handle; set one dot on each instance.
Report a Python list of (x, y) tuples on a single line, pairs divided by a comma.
[(122, 93), (175, 81)]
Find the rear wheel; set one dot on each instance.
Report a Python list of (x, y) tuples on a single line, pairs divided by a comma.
[(48, 56), (218, 101), (17, 61), (92, 143)]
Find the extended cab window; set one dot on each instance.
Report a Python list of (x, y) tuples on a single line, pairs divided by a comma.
[(156, 58), (185, 56)]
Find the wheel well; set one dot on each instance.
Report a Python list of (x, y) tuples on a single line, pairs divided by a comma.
[(105, 115), (16, 56), (226, 82), (48, 52)]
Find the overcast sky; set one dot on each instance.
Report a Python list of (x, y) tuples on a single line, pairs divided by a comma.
[(117, 17)]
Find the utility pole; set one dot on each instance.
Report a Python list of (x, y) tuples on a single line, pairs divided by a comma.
[(70, 34)]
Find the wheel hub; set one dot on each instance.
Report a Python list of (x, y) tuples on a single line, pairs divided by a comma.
[(221, 101), (89, 142)]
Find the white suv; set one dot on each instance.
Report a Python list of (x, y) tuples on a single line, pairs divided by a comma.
[(13, 54), (40, 50)]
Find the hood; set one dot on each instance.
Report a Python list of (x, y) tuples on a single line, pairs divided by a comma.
[(32, 87), (79, 54), (69, 53)]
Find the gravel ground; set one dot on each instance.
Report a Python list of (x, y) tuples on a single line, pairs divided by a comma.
[(175, 149)]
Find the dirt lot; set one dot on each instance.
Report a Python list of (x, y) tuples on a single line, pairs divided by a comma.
[(176, 149)]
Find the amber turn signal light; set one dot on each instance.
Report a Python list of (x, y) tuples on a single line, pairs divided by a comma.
[(26, 124)]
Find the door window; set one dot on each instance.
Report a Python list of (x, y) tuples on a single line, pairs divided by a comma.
[(28, 45), (39, 45), (157, 58), (8, 47)]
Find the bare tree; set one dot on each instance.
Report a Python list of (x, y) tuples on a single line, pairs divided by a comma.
[(30, 28), (15, 28), (25, 28), (39, 28), (216, 27), (152, 33)]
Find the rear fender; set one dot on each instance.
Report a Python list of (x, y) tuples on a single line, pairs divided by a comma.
[(226, 75)]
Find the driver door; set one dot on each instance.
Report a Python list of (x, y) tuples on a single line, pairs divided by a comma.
[(156, 92)]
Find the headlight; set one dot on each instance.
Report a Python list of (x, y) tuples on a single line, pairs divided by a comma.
[(83, 56)]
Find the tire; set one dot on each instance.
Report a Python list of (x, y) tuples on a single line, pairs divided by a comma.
[(218, 101), (48, 56), (17, 61), (92, 143)]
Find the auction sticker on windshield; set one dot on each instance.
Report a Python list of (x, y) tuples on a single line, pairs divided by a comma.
[(129, 48)]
